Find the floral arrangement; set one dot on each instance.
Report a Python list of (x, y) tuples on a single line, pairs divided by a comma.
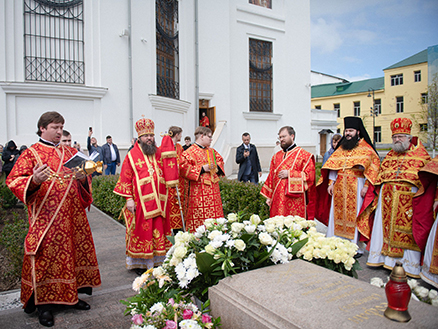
[(419, 293), (333, 253), (222, 247), (158, 306)]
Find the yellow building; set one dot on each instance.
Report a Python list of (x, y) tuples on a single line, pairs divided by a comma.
[(400, 93)]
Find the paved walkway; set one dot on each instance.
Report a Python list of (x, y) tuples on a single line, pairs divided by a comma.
[(106, 310)]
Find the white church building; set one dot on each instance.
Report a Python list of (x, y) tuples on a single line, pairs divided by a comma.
[(106, 63)]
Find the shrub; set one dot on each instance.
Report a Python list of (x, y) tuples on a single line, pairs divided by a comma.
[(7, 198), (243, 198), (104, 198), (12, 239)]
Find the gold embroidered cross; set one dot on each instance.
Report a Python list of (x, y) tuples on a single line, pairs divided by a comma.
[(171, 164), (151, 171), (140, 163)]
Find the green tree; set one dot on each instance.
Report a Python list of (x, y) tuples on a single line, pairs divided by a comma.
[(430, 109)]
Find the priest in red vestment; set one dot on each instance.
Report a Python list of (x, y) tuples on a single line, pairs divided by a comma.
[(143, 185), (201, 167), (345, 178), (173, 204), (424, 227), (392, 237), (204, 121), (59, 257), (290, 186)]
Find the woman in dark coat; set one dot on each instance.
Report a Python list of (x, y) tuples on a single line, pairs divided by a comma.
[(10, 152)]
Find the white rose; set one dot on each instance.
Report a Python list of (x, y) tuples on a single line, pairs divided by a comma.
[(433, 294), (434, 302), (250, 228), (255, 220), (200, 229), (265, 239), (421, 291), (158, 271), (288, 222), (180, 252), (220, 221), (412, 283), (232, 217), (378, 282), (214, 234), (237, 227), (269, 227), (209, 223), (210, 249), (239, 244), (174, 261)]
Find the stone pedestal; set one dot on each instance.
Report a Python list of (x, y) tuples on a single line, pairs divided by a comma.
[(303, 295)]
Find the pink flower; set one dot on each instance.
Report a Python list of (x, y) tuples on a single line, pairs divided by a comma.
[(206, 318), (187, 314), (170, 324), (137, 319), (171, 301)]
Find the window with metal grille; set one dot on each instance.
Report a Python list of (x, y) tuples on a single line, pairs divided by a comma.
[(378, 134), (399, 104), (317, 107), (417, 76), (167, 48), (261, 3), (337, 108), (396, 79), (423, 126), (356, 108), (378, 106), (260, 76), (54, 41)]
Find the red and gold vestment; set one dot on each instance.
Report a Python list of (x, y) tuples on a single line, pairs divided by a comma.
[(141, 179), (398, 174), (173, 209), (202, 194), (424, 214), (204, 122), (360, 162), (59, 250), (296, 194)]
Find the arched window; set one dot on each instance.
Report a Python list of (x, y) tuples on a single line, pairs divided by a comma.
[(54, 41), (167, 48)]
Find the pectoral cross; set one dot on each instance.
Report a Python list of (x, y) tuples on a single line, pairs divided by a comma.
[(140, 163), (151, 171)]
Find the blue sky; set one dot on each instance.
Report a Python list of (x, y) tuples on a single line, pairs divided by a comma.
[(357, 39)]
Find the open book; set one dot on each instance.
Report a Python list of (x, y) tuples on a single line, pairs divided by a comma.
[(79, 158)]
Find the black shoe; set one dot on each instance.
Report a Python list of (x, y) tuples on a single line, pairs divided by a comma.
[(81, 305), (357, 256), (139, 271), (46, 318)]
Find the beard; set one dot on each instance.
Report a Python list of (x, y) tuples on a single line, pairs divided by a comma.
[(401, 147), (148, 149), (349, 144), (286, 146)]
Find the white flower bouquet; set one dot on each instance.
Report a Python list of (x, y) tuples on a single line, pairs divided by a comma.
[(333, 253)]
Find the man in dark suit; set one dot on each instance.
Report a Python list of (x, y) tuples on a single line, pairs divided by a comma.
[(111, 156), (248, 160)]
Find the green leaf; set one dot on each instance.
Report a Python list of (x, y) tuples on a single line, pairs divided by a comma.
[(298, 245), (171, 239), (204, 262)]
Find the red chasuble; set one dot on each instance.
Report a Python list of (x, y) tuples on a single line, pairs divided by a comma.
[(141, 179), (361, 161), (424, 214), (202, 194), (59, 250), (296, 194)]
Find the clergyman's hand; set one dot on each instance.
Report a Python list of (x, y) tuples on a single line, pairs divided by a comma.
[(130, 204), (283, 174), (40, 173), (363, 192), (268, 202), (206, 167), (330, 189)]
